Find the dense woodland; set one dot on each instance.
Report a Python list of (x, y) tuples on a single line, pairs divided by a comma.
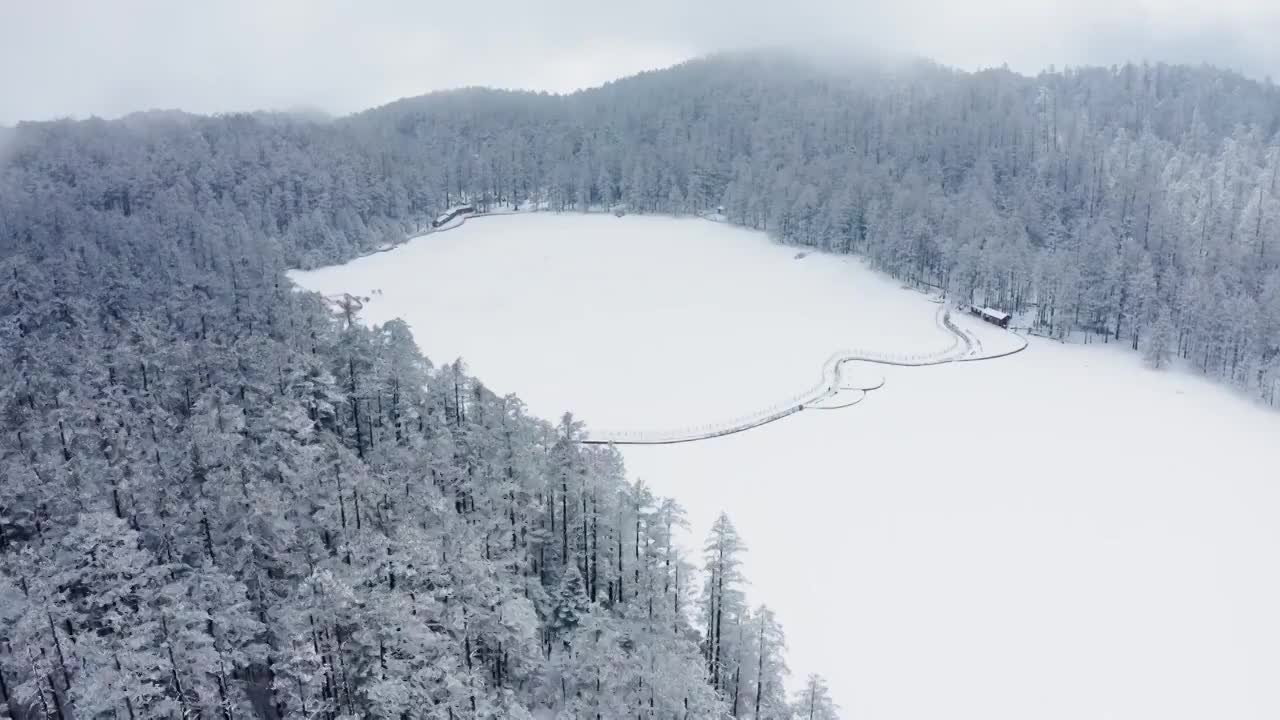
[(224, 498), (221, 498), (1136, 204)]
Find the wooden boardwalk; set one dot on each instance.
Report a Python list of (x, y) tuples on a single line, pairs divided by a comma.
[(964, 347)]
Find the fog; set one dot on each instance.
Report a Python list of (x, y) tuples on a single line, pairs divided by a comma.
[(79, 57)]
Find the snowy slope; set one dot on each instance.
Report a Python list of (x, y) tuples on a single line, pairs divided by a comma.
[(1056, 534)]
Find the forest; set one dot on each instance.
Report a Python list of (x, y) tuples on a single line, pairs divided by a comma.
[(221, 498), (1135, 204)]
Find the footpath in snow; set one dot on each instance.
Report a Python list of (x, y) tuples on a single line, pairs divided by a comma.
[(1013, 535), (833, 392)]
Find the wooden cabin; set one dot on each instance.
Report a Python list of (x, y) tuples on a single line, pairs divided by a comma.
[(452, 213), (998, 318)]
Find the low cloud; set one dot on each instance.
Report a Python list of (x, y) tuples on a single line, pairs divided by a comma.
[(80, 57)]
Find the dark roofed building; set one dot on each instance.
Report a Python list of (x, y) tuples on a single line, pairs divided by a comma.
[(991, 315)]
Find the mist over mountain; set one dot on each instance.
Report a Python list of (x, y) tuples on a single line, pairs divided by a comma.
[(293, 515)]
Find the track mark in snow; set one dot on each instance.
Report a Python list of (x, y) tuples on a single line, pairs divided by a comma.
[(964, 347)]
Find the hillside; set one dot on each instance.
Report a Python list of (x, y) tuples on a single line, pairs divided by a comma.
[(1136, 204), (1013, 533), (216, 498)]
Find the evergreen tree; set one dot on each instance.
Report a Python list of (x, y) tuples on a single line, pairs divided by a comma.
[(813, 701), (722, 599)]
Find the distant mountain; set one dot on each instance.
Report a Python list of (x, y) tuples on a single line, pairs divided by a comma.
[(1108, 201), (1137, 203), (218, 499)]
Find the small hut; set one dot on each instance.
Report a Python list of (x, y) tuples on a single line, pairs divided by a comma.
[(998, 318), (451, 213)]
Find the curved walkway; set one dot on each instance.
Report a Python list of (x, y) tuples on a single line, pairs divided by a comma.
[(964, 347)]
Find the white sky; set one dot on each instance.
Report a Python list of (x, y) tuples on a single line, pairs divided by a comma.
[(81, 57)]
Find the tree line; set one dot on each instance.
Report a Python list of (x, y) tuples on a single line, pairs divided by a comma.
[(1136, 204), (220, 498)]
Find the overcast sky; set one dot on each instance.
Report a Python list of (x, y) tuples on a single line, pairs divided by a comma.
[(82, 57)]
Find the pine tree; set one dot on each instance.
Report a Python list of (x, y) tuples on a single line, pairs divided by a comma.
[(1157, 346), (722, 597), (813, 701), (571, 603)]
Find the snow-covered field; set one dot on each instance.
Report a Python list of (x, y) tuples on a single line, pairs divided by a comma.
[(1057, 534)]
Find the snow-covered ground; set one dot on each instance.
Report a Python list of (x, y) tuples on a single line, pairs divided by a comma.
[(1056, 534)]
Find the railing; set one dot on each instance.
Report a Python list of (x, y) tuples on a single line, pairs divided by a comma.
[(827, 387)]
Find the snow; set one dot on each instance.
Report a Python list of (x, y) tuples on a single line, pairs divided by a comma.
[(445, 222), (1113, 555), (996, 315), (452, 213)]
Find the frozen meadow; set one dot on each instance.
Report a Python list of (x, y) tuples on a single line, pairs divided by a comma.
[(1057, 534)]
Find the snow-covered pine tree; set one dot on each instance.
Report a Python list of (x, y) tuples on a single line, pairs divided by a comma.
[(722, 600), (813, 701)]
